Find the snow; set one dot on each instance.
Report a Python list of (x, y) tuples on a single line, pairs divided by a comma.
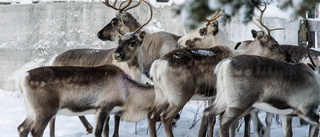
[(12, 110), (12, 113), (203, 52)]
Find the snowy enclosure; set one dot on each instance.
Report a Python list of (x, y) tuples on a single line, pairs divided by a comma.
[(32, 34)]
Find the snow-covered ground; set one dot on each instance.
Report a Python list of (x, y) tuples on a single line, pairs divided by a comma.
[(12, 113)]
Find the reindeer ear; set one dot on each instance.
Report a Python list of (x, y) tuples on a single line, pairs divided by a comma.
[(215, 23), (254, 33), (141, 35), (213, 27), (260, 35)]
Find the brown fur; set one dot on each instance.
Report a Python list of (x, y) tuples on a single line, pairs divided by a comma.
[(193, 57), (188, 72), (111, 30), (197, 67), (154, 46), (47, 90), (257, 79), (184, 73), (129, 62), (84, 57), (299, 53)]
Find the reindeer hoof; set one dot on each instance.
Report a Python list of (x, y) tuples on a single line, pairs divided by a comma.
[(89, 131)]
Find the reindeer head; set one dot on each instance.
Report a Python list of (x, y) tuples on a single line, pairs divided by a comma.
[(129, 46), (267, 46), (112, 30), (124, 22), (202, 36)]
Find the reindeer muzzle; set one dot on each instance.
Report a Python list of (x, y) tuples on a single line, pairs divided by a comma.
[(118, 56)]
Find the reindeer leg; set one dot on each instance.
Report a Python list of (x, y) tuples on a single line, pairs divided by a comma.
[(313, 118), (208, 117), (229, 117), (212, 122), (247, 126), (86, 124), (25, 127), (232, 130), (106, 127), (286, 125), (152, 119), (116, 126), (167, 117), (40, 124), (268, 124), (313, 130), (226, 119), (52, 126), (259, 128), (101, 116)]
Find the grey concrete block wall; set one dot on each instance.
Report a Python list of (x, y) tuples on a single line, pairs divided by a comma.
[(33, 34)]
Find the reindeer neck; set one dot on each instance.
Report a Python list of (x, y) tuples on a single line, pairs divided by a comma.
[(242, 52), (250, 50), (132, 25), (137, 61), (221, 39)]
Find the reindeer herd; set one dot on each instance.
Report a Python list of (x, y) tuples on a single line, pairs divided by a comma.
[(153, 75)]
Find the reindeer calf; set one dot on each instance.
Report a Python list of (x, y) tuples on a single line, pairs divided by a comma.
[(81, 90)]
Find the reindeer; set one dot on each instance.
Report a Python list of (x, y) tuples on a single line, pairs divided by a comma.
[(123, 22), (71, 90), (300, 55), (209, 35), (265, 84), (185, 73), (128, 56), (155, 44)]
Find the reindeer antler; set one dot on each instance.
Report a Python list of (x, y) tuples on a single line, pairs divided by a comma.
[(148, 20), (114, 5), (217, 15), (311, 60), (258, 26), (260, 20), (133, 6)]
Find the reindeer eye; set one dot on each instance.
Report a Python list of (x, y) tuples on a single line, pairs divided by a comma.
[(203, 31), (113, 23), (133, 43)]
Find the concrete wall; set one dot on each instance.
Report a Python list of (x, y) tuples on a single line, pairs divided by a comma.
[(32, 34)]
